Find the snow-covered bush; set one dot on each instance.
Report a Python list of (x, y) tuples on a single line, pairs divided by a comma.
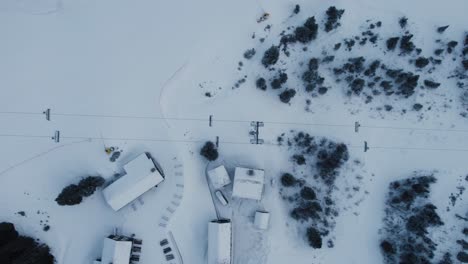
[(270, 57), (333, 17), (408, 217), (209, 151)]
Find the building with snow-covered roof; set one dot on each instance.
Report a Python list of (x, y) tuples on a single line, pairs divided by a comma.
[(248, 183), (219, 177), (116, 250), (141, 174), (219, 242), (262, 220)]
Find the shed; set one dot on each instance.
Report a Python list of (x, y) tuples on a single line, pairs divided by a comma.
[(248, 183), (262, 220), (219, 177), (141, 175), (219, 242)]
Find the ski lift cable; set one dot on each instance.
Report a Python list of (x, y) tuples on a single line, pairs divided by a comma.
[(239, 121), (228, 142)]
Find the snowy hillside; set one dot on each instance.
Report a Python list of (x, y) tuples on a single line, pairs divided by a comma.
[(356, 111)]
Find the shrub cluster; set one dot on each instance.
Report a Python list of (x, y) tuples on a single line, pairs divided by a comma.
[(74, 193), (209, 151)]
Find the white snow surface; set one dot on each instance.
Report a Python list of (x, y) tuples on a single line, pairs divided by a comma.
[(134, 59)]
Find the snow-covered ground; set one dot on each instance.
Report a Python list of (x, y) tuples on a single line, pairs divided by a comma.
[(134, 75)]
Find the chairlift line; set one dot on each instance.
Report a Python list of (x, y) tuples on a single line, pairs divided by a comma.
[(212, 119)]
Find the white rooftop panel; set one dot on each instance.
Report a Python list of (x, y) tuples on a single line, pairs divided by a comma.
[(248, 183)]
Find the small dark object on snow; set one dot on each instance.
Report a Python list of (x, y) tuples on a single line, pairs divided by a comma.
[(279, 81), (22, 213), (333, 17), (297, 9), (287, 180), (46, 228), (248, 54), (417, 107), (403, 22), (388, 108), (392, 42), (286, 95), (313, 64), (431, 84), (442, 29), (270, 57), (208, 94), (115, 155), (209, 151), (314, 237), (261, 84), (421, 62)]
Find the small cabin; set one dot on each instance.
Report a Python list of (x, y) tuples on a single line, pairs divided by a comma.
[(248, 183)]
